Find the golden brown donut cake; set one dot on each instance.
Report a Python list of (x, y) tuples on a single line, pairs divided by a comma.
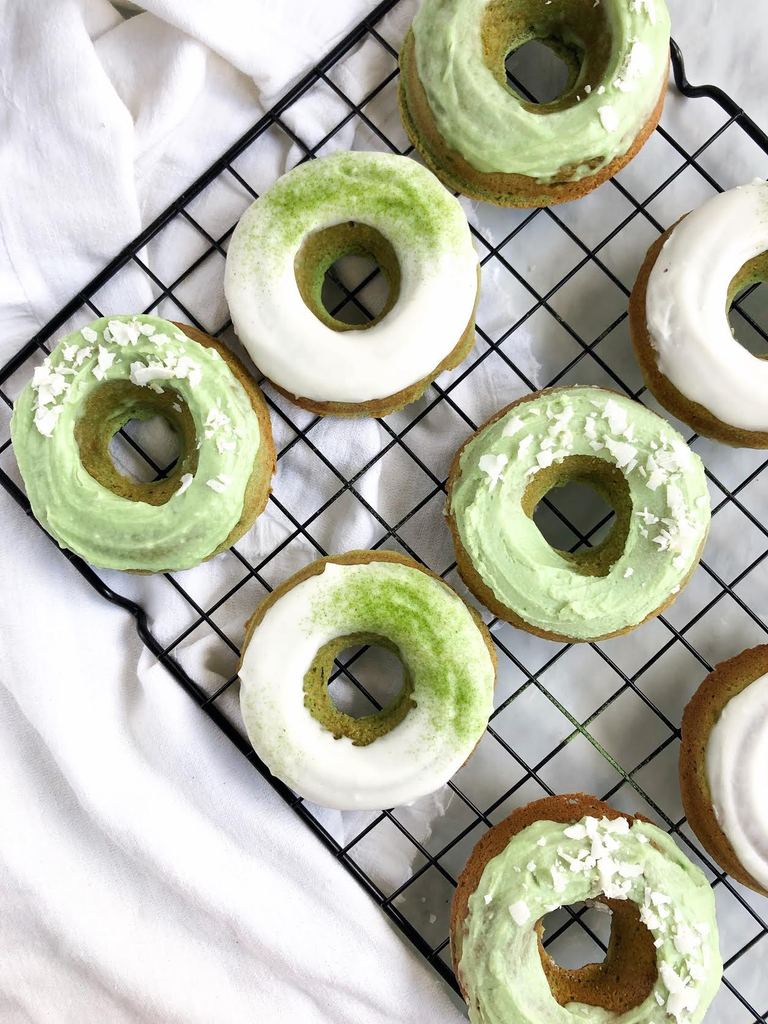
[(724, 743)]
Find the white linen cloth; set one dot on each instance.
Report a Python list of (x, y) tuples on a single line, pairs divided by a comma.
[(147, 874)]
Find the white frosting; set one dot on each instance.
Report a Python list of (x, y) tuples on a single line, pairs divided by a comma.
[(437, 289), (737, 773), (416, 757), (686, 307)]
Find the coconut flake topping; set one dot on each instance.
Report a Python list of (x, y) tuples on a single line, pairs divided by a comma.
[(493, 466)]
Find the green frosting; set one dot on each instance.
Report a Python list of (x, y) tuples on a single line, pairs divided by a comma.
[(661, 497), (623, 61), (550, 865), (107, 368)]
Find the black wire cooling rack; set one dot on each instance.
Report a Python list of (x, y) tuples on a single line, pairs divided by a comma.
[(614, 728)]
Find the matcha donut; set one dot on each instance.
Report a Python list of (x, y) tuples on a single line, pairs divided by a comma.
[(634, 459), (413, 745), (391, 209), (485, 140), (724, 766), (125, 368), (678, 317), (663, 961)]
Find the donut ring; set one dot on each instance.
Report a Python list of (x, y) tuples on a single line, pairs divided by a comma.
[(409, 748), (678, 317), (376, 204), (121, 368), (634, 459), (567, 849), (483, 139), (722, 766)]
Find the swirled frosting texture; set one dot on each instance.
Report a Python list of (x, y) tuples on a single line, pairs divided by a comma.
[(105, 528), (669, 522), (426, 227), (687, 306), (496, 131), (737, 772), (441, 646), (550, 865)]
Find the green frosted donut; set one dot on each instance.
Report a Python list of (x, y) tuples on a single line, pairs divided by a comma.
[(636, 460), (619, 51), (551, 864), (134, 367)]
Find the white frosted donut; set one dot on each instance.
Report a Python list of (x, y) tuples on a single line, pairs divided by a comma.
[(686, 308), (429, 234), (737, 769), (416, 743)]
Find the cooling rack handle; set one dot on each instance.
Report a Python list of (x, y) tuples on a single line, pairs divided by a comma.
[(712, 92)]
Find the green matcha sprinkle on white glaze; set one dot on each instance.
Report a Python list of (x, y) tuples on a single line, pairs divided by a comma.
[(450, 674), (437, 637)]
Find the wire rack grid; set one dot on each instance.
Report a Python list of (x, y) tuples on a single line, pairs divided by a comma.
[(599, 717)]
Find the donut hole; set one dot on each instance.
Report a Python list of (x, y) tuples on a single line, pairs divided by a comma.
[(617, 978), (550, 57), (587, 513), (358, 686), (354, 290), (348, 275), (135, 442), (576, 936), (572, 509), (748, 306), (539, 69), (365, 679), (140, 440)]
